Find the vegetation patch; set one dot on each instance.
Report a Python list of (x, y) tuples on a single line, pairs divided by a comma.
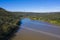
[(9, 24)]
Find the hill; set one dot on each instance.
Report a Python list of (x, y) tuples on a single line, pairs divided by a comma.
[(9, 24)]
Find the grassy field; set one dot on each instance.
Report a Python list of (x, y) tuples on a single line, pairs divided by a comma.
[(53, 18)]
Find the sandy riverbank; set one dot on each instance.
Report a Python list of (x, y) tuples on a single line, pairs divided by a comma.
[(25, 34)]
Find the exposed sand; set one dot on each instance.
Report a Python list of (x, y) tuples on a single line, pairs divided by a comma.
[(25, 34)]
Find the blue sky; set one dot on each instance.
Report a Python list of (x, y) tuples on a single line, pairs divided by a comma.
[(31, 5)]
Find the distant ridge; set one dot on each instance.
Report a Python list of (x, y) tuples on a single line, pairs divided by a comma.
[(2, 10)]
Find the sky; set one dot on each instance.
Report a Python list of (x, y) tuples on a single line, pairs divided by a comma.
[(31, 5)]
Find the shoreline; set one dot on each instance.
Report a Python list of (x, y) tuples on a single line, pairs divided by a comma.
[(25, 34)]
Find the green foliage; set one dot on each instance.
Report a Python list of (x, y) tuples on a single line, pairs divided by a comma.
[(53, 18), (8, 24)]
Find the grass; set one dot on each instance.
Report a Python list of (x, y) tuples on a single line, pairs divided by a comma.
[(51, 20)]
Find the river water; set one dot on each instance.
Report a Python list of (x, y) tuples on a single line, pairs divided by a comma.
[(37, 30)]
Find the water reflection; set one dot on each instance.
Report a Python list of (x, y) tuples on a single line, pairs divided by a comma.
[(25, 20), (39, 25)]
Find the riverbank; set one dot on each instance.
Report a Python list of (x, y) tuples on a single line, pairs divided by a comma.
[(9, 24), (55, 25), (35, 30), (25, 34)]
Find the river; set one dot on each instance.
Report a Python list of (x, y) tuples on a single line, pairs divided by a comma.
[(37, 30)]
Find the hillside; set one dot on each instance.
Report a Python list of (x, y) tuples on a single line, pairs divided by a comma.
[(8, 24)]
